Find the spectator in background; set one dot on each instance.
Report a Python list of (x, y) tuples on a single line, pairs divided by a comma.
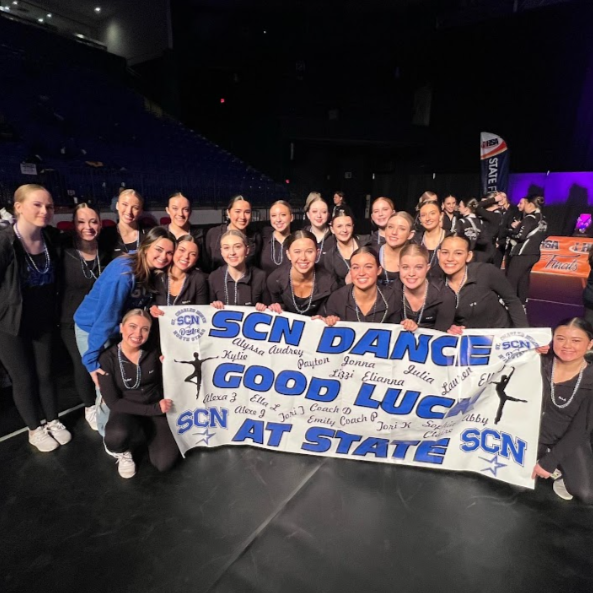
[(450, 214), (341, 206)]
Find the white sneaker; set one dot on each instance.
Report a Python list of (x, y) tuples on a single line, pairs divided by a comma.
[(125, 463), (90, 415), (59, 432), (41, 439), (561, 491)]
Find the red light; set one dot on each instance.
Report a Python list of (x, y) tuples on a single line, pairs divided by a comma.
[(222, 100), (287, 180)]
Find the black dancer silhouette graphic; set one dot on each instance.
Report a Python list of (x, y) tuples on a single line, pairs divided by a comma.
[(504, 398), (197, 374)]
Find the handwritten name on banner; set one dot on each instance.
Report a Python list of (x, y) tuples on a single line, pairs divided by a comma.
[(358, 391)]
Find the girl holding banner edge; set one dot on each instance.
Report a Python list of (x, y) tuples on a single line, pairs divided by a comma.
[(131, 385), (477, 288), (304, 287), (567, 412)]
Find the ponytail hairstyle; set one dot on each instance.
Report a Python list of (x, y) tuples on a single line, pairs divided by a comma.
[(427, 196), (132, 193), (134, 312), (84, 206), (22, 192), (282, 203), (538, 201), (234, 233), (296, 235), (369, 250), (144, 275), (414, 249), (579, 323), (471, 205), (313, 197)]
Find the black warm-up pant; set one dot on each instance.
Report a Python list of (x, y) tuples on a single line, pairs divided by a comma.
[(123, 429), (82, 379), (577, 472), (518, 274), (28, 362)]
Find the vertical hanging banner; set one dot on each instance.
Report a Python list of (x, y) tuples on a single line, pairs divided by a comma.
[(494, 155), (356, 391)]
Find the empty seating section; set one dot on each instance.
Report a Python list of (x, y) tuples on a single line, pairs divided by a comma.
[(88, 132)]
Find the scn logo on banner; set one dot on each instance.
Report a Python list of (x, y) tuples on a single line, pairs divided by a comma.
[(189, 324), (203, 418)]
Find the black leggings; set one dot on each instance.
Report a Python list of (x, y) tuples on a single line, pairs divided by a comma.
[(82, 380), (518, 273), (577, 472), (28, 362), (122, 429)]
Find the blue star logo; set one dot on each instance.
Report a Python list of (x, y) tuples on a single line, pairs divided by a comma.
[(495, 465), (207, 435)]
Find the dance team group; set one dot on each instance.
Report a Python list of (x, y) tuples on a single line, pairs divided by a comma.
[(103, 287)]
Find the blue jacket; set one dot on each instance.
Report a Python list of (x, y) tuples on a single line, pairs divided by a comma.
[(102, 310)]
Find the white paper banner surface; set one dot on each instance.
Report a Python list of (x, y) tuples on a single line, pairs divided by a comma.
[(361, 391)]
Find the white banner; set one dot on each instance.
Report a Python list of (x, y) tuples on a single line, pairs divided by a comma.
[(357, 391)]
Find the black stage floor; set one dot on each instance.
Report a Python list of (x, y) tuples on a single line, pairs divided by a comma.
[(240, 519)]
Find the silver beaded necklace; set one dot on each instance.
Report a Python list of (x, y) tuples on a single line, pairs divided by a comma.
[(296, 307), (30, 257), (320, 248), (169, 295), (347, 262), (273, 250), (226, 288), (87, 271), (358, 311), (382, 262), (574, 391), (127, 382), (457, 294), (405, 304), (434, 253), (123, 242)]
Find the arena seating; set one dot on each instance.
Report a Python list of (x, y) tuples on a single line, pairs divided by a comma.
[(88, 132)]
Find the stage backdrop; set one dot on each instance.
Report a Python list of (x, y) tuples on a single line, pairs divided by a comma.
[(356, 391)]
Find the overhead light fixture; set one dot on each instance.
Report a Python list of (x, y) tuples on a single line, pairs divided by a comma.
[(14, 3), (39, 20), (97, 9), (49, 15)]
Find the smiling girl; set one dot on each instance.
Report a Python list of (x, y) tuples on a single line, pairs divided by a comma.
[(83, 262), (126, 283), (305, 286), (398, 232), (237, 283), (239, 217), (567, 412), (272, 253), (127, 235), (337, 260), (28, 265), (132, 388), (381, 210)]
